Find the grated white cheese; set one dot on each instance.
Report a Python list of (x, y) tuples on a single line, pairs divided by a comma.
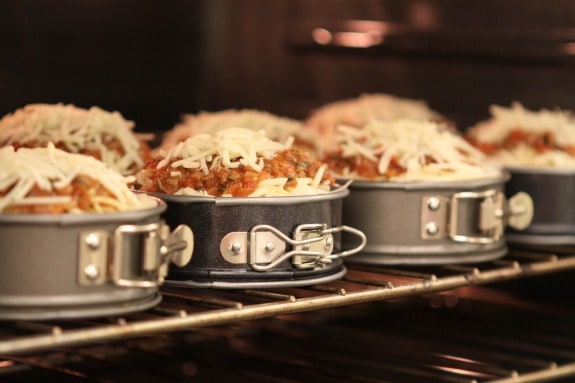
[(228, 147), (412, 142), (505, 120), (232, 147), (49, 169), (76, 128), (358, 111), (276, 127)]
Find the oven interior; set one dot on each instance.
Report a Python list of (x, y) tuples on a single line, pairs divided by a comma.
[(510, 320)]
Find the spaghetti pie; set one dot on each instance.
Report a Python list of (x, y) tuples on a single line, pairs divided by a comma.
[(51, 181), (518, 136), (405, 150), (104, 135), (234, 162), (358, 111)]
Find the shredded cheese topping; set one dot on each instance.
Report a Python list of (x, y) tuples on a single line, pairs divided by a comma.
[(358, 111), (558, 124), (230, 148), (276, 127), (424, 149), (76, 129), (49, 169)]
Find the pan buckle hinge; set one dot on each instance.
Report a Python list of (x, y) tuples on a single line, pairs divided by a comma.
[(132, 255), (440, 217), (264, 247)]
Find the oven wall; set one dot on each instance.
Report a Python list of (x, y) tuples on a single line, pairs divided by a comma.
[(140, 57), (153, 60), (460, 56)]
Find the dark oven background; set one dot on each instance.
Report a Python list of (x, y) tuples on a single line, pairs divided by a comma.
[(153, 60)]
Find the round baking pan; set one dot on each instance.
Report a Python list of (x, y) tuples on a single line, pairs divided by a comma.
[(256, 242), (552, 190), (430, 223), (86, 265)]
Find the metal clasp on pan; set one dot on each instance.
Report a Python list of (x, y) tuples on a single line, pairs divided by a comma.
[(264, 246), (490, 217), (440, 215), (133, 255)]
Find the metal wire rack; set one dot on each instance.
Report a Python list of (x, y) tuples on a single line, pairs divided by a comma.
[(199, 313), (189, 308)]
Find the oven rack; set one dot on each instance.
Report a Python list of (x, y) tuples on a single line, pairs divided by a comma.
[(183, 309)]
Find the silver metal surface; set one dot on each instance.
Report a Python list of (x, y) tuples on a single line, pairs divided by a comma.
[(102, 255), (440, 215), (85, 265), (490, 221), (417, 223), (261, 247)]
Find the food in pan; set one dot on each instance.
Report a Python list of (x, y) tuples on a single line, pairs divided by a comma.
[(405, 150), (517, 136), (51, 181), (276, 127), (235, 162), (358, 111), (104, 135)]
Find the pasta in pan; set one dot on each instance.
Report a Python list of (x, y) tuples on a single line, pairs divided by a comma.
[(51, 181), (235, 162), (518, 136), (405, 150), (104, 135)]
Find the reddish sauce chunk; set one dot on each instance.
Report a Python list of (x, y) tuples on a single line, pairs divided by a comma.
[(81, 189), (540, 142), (237, 182)]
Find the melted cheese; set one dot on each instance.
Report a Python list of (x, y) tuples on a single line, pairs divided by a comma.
[(76, 129), (413, 143), (49, 169)]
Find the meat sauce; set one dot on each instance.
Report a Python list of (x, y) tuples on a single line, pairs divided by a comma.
[(81, 190), (111, 143), (366, 168), (237, 182), (540, 142), (362, 166)]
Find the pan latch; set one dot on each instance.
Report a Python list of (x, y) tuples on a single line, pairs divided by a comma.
[(264, 246), (132, 255), (444, 217)]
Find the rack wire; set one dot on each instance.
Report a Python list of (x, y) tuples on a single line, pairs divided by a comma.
[(184, 309)]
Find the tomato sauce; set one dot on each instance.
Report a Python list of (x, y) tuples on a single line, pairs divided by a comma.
[(363, 166), (237, 182), (540, 142), (81, 190)]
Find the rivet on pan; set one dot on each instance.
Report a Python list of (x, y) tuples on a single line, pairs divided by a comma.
[(270, 247), (91, 271), (93, 241), (433, 203), (236, 247), (328, 242), (431, 228)]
